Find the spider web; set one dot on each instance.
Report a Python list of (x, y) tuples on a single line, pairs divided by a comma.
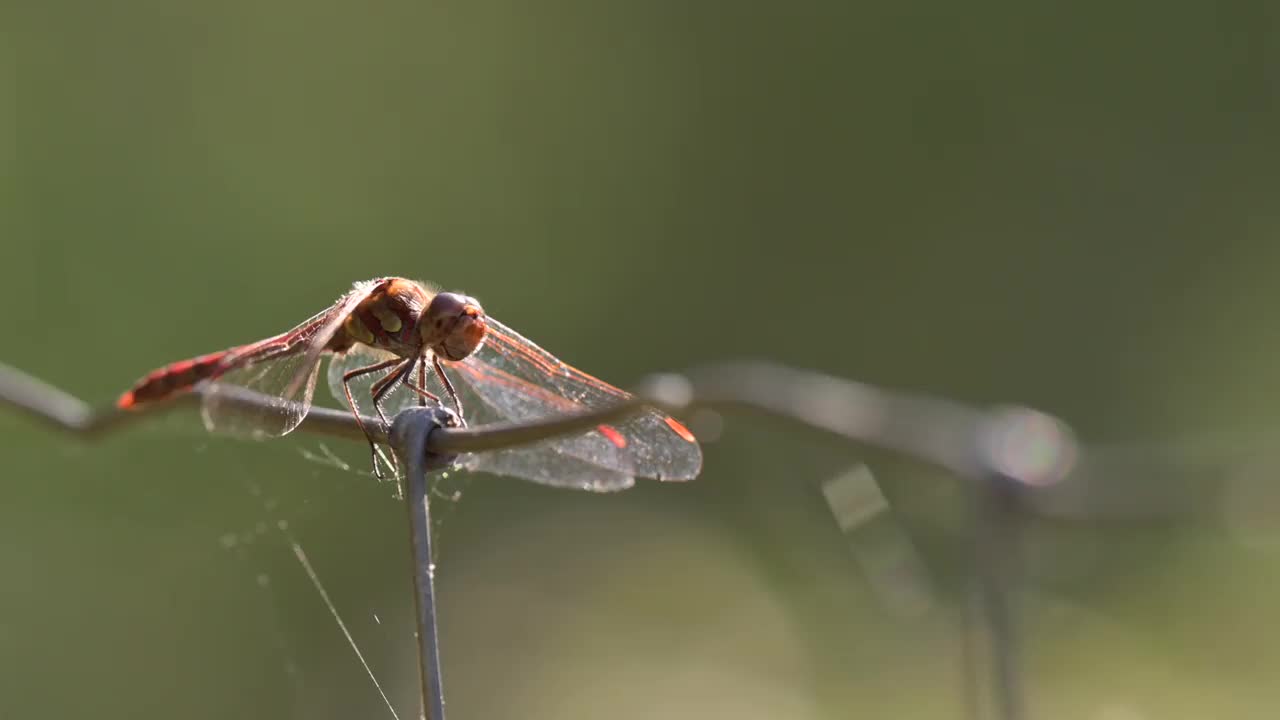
[(273, 529)]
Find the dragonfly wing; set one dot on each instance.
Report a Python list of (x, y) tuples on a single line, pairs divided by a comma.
[(356, 358), (543, 463), (509, 379), (327, 326), (282, 369), (272, 414), (515, 380)]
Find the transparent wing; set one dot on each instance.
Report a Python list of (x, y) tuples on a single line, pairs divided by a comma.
[(279, 413), (282, 369), (510, 380), (513, 379), (544, 464), (357, 358), (328, 325), (541, 463)]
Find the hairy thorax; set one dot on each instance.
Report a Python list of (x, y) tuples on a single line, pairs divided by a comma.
[(387, 319)]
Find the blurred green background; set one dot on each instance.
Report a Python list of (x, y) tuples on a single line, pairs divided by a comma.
[(1069, 205)]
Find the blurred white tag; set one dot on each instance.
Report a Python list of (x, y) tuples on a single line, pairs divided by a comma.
[(888, 560), (854, 497)]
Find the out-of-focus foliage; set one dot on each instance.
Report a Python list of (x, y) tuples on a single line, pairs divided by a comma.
[(1068, 205)]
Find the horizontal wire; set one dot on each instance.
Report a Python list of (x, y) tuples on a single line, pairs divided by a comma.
[(1018, 443)]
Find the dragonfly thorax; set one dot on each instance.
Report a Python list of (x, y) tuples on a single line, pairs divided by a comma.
[(405, 319), (388, 318)]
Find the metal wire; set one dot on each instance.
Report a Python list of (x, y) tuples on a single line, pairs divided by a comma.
[(1003, 451)]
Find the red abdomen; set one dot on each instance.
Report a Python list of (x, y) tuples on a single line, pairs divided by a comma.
[(172, 379)]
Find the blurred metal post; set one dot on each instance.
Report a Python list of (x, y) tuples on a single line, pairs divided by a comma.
[(996, 555)]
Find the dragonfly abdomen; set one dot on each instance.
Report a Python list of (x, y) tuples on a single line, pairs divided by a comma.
[(172, 379)]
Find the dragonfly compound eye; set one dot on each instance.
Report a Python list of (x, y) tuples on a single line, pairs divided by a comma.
[(453, 326)]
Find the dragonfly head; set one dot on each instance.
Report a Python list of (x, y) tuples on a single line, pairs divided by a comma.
[(453, 325)]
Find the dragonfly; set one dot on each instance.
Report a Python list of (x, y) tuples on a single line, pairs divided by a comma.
[(392, 342)]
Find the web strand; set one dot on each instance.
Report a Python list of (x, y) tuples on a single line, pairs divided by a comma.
[(333, 610)]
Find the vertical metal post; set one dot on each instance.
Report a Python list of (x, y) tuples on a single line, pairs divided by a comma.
[(996, 555), (409, 435)]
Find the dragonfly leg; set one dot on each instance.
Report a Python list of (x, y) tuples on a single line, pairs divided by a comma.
[(379, 390), (444, 380), (422, 380), (388, 383), (421, 388), (347, 377)]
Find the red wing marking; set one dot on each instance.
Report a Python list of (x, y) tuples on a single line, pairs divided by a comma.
[(680, 429), (613, 435)]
